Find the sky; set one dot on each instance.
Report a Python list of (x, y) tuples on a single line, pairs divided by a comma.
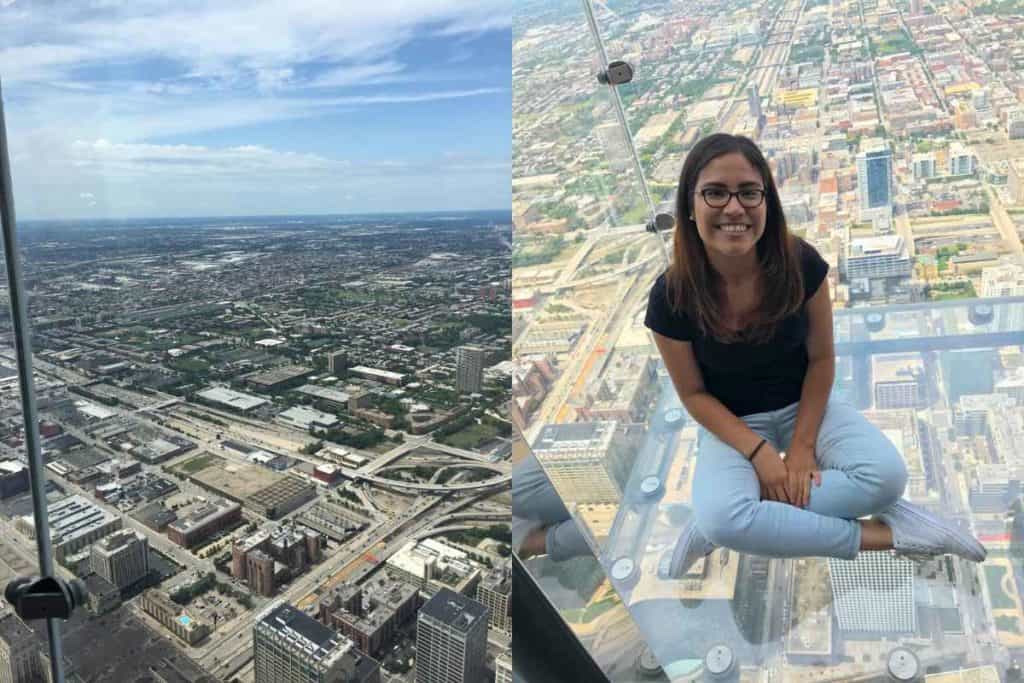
[(134, 108)]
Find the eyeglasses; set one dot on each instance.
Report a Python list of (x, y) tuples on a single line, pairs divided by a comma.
[(718, 197)]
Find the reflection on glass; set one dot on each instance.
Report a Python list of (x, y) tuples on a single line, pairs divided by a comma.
[(892, 131)]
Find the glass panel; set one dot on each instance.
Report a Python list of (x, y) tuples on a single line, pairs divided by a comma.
[(266, 251), (892, 140), (579, 214)]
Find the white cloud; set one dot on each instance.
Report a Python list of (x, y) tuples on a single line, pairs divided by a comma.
[(89, 87), (106, 178), (231, 39)]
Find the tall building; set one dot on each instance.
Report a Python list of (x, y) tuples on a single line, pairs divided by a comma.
[(1015, 123), (370, 614), (993, 488), (469, 369), (959, 161), (291, 647), (259, 568), (19, 651), (877, 257), (336, 361), (874, 593), (874, 178), (451, 639), (900, 380), (13, 478), (121, 558), (753, 101), (493, 592), (579, 459), (503, 668), (915, 8), (924, 165)]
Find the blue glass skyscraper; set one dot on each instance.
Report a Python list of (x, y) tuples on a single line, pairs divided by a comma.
[(874, 176)]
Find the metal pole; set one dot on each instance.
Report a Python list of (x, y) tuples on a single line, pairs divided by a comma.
[(23, 348), (620, 114)]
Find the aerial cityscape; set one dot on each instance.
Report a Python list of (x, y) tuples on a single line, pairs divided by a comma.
[(895, 132), (265, 261), (248, 460)]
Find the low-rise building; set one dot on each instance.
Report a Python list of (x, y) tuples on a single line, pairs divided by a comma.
[(75, 523), (370, 615), (173, 616), (204, 522)]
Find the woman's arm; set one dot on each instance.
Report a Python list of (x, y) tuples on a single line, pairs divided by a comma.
[(821, 370), (703, 407)]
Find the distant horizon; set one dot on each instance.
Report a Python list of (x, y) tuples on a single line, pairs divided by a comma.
[(93, 219)]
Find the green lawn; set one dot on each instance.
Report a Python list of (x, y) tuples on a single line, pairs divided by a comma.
[(994, 578), (590, 612), (1009, 624), (470, 437), (198, 463)]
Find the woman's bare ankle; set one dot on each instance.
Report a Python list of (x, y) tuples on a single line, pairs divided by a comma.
[(875, 535)]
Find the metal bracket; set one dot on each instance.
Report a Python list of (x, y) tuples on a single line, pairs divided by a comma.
[(617, 73), (662, 222)]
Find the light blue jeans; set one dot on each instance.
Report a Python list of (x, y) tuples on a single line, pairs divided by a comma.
[(535, 504), (862, 473)]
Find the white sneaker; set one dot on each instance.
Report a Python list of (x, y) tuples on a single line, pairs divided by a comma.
[(690, 547), (917, 532)]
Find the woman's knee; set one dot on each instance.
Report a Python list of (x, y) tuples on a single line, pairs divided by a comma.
[(888, 477), (893, 473), (726, 526)]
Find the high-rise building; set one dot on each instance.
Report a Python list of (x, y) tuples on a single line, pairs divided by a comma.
[(753, 101), (469, 372), (993, 488), (289, 646), (924, 165), (900, 380), (915, 8), (874, 178), (959, 161), (493, 592), (877, 257), (579, 460), (1015, 123), (259, 567), (336, 361), (19, 651), (874, 593), (451, 639), (122, 558), (13, 478), (503, 668)]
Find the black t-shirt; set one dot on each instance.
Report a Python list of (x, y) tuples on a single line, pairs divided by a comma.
[(747, 378)]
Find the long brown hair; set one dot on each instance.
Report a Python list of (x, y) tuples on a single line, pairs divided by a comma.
[(694, 287)]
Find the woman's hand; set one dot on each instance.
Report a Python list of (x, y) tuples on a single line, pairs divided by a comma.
[(772, 473), (802, 467)]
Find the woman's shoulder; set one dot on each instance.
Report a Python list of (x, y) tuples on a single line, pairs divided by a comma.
[(812, 265), (662, 316)]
